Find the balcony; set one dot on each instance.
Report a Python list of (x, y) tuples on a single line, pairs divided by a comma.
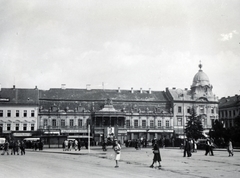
[(150, 127), (64, 127)]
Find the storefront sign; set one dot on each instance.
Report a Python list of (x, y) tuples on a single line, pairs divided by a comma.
[(73, 131), (4, 99), (22, 134)]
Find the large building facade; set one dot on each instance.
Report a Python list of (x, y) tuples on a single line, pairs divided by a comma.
[(126, 114), (18, 112), (229, 109)]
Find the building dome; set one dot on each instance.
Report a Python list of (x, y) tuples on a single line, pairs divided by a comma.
[(200, 78)]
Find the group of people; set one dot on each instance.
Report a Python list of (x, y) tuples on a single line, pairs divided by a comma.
[(68, 145), (15, 147), (189, 147), (155, 148)]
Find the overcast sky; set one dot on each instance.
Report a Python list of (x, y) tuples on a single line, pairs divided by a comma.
[(126, 43)]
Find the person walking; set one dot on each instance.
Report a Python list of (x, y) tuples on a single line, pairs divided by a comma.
[(156, 154), (75, 145), (22, 147), (79, 144), (187, 148), (117, 150), (230, 148), (207, 147), (17, 147), (6, 148)]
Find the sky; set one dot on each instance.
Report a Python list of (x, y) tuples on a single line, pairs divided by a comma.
[(127, 44)]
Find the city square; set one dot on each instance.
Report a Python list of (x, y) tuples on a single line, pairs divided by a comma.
[(94, 88), (133, 163)]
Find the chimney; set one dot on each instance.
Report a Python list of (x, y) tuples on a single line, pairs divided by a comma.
[(63, 86), (186, 89), (119, 90), (88, 87), (131, 90), (150, 91), (35, 88), (140, 90), (13, 86)]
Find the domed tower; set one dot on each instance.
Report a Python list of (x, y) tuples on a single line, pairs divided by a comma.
[(201, 86)]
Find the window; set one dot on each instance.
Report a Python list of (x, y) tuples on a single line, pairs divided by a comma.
[(32, 126), (1, 113), (212, 110), (188, 110), (25, 113), (151, 123), (8, 113), (179, 109), (128, 123), (62, 123), (179, 121), (17, 127), (32, 113), (135, 123), (24, 126), (45, 123), (1, 128), (144, 123), (17, 113), (167, 123), (8, 127), (204, 121), (201, 109), (159, 123), (54, 123), (80, 123), (71, 122)]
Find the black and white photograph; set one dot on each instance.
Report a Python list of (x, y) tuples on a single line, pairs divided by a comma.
[(119, 88)]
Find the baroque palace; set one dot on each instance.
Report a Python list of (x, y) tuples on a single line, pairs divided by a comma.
[(126, 114)]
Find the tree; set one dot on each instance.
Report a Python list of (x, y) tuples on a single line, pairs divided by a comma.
[(194, 126), (219, 133)]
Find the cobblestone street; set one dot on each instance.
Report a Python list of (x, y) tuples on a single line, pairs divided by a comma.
[(58, 163)]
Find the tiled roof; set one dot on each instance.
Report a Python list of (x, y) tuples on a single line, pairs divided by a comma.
[(99, 94), (14, 96), (233, 101), (88, 99)]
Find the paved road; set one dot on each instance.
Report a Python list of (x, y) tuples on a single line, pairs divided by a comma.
[(134, 163)]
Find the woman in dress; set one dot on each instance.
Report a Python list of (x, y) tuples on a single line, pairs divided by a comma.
[(230, 148), (117, 150), (156, 154)]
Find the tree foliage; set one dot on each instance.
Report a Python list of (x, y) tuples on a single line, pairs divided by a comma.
[(194, 127), (218, 133)]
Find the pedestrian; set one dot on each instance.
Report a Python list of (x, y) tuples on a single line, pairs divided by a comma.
[(22, 147), (66, 145), (117, 150), (13, 146), (230, 148), (17, 147), (187, 148), (69, 145), (6, 148), (156, 154), (79, 144), (75, 145), (209, 147)]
